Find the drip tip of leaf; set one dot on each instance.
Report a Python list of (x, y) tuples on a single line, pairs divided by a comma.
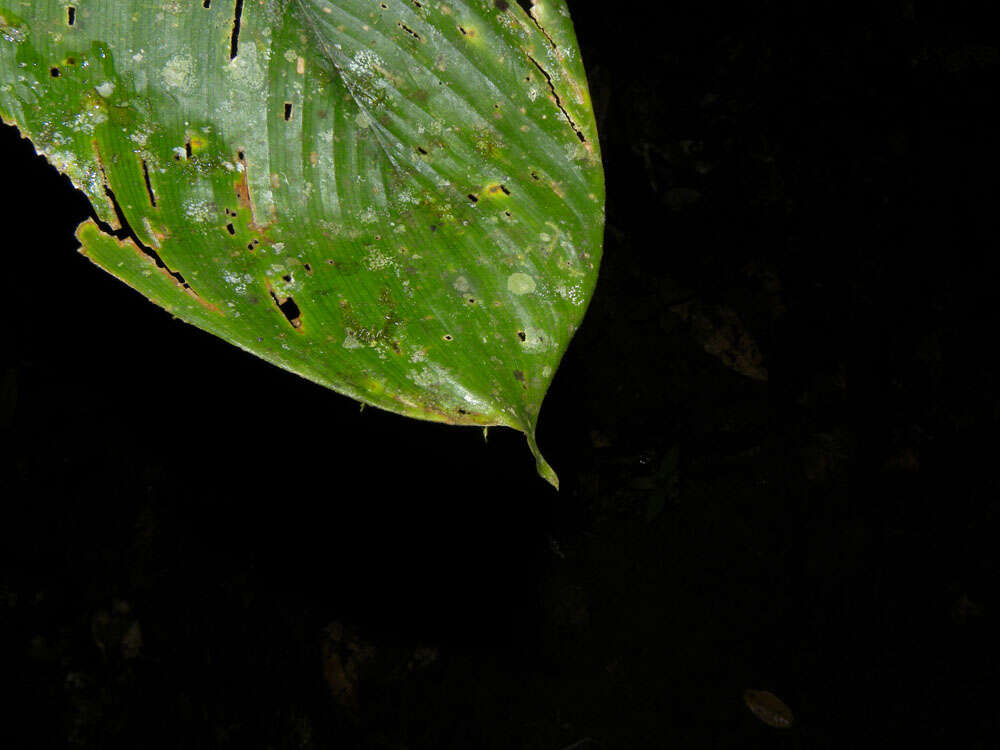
[(545, 471)]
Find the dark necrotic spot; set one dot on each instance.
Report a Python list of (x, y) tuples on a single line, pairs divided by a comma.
[(501, 4)]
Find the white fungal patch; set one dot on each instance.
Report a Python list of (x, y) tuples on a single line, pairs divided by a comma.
[(377, 260), (351, 343), (106, 89), (198, 210), (536, 340), (179, 73), (520, 283)]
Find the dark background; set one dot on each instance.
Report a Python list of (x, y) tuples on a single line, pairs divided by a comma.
[(205, 551)]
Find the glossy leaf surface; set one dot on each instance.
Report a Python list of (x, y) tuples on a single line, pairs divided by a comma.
[(400, 200)]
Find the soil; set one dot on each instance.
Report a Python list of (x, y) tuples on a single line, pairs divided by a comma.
[(776, 434)]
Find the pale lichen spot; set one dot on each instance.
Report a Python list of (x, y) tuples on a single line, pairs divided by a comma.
[(351, 343), (520, 283), (536, 340), (179, 72)]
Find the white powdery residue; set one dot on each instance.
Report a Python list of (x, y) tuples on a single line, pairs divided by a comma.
[(178, 73), (139, 137), (198, 210), (351, 343), (536, 340), (368, 216), (572, 293), (278, 247), (378, 260), (235, 281), (426, 377), (291, 55), (106, 89)]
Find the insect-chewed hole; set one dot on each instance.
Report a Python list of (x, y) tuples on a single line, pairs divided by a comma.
[(288, 111), (55, 72), (206, 4), (473, 197), (70, 15), (448, 337), (230, 228), (522, 335)]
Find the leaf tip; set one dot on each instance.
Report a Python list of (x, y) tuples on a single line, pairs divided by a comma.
[(545, 471)]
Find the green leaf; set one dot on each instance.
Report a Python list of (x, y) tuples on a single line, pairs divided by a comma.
[(400, 200)]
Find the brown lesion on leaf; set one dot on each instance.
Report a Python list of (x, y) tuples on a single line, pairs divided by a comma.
[(242, 188), (125, 236)]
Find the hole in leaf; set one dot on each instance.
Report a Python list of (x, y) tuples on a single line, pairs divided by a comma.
[(409, 31), (526, 5), (54, 72), (473, 197), (149, 185), (70, 15), (288, 111), (287, 278), (422, 151), (207, 4), (522, 335), (448, 337), (234, 42), (230, 228), (187, 148), (289, 309), (309, 269)]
